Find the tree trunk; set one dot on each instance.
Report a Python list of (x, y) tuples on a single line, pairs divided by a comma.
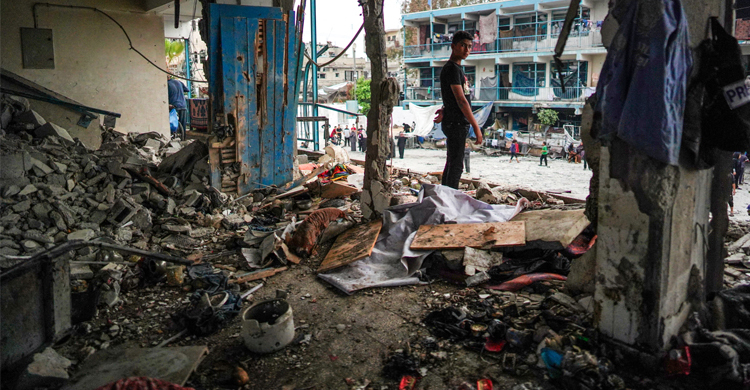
[(383, 96)]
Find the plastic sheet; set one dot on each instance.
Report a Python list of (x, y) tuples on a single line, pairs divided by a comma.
[(392, 263)]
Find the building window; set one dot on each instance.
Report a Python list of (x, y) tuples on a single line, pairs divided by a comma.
[(533, 73), (572, 70), (581, 24), (350, 75), (321, 75), (337, 75), (503, 24)]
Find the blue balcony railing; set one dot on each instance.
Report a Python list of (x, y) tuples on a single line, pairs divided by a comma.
[(522, 44), (546, 94)]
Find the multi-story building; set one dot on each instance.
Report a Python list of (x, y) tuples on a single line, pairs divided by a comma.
[(344, 69), (512, 65)]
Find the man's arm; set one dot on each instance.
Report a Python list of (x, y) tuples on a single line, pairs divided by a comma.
[(465, 107), (184, 87)]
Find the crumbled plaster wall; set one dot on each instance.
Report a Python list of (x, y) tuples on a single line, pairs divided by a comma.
[(93, 63), (652, 226)]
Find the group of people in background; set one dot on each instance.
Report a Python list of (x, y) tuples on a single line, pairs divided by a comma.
[(738, 176), (349, 136)]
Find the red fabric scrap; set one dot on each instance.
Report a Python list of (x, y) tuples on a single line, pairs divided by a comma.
[(142, 383), (306, 236), (494, 346), (525, 280)]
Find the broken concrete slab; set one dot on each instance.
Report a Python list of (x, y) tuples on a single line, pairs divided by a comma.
[(80, 272), (48, 369), (12, 190), (51, 129), (31, 118), (15, 165), (40, 166), (168, 364), (552, 229), (83, 234), (22, 206), (735, 246), (29, 189), (477, 260)]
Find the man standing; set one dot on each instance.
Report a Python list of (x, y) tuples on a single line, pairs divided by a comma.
[(347, 133), (176, 90), (401, 144), (456, 115)]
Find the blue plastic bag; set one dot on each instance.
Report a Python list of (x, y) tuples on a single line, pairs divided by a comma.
[(174, 121)]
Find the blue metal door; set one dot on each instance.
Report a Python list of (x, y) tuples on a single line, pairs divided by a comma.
[(254, 100)]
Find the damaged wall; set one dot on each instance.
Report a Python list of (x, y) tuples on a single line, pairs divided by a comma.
[(652, 225), (93, 62)]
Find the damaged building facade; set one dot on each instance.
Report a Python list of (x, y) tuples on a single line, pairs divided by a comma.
[(230, 259)]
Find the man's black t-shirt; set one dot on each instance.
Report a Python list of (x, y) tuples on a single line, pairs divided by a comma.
[(452, 74)]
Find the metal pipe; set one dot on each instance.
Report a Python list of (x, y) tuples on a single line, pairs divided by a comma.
[(314, 53)]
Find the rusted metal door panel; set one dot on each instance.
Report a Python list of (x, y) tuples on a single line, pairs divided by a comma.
[(239, 37), (258, 94)]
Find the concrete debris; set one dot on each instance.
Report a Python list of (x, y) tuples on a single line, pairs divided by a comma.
[(48, 369)]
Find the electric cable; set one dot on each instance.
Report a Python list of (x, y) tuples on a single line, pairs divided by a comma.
[(130, 42), (340, 54)]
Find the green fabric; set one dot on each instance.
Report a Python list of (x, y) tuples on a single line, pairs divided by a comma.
[(544, 150)]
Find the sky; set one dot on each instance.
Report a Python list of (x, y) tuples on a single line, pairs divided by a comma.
[(339, 20)]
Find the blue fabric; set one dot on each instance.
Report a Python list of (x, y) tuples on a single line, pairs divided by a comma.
[(523, 85), (176, 96), (643, 80), (174, 120)]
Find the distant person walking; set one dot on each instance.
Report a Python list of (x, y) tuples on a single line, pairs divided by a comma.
[(352, 138), (514, 151), (743, 160), (401, 144), (347, 133), (545, 152)]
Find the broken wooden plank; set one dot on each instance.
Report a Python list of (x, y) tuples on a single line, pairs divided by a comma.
[(552, 229), (336, 190), (174, 365), (255, 275), (354, 244), (475, 235)]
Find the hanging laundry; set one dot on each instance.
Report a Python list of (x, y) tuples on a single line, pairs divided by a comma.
[(488, 88), (506, 40), (487, 28), (523, 85), (424, 31), (643, 80)]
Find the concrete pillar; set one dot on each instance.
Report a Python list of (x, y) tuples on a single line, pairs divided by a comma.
[(652, 226)]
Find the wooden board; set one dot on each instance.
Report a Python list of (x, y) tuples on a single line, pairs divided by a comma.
[(255, 275), (354, 244), (173, 365), (552, 229), (475, 235), (336, 190)]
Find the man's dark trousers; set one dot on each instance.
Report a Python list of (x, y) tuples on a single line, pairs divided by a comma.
[(454, 161)]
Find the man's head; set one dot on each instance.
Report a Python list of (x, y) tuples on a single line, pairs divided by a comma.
[(461, 45)]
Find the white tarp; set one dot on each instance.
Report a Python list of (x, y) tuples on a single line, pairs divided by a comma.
[(392, 263), (423, 116), (401, 116)]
